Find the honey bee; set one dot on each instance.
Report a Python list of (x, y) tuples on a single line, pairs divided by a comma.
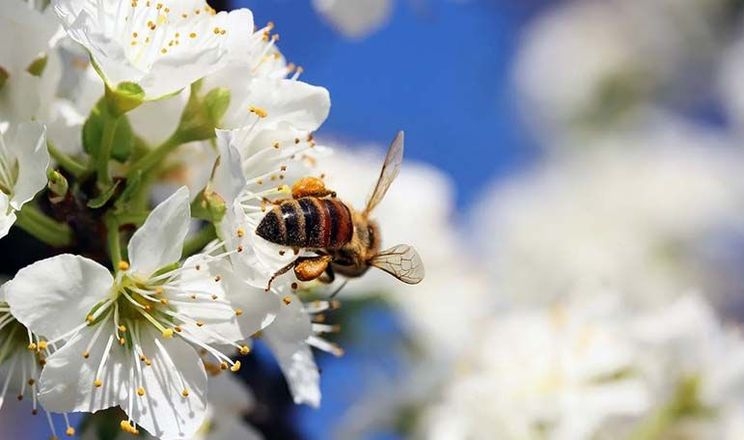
[(345, 241)]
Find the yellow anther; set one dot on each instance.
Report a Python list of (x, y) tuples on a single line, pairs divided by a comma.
[(140, 391), (241, 232), (86, 355), (199, 323), (185, 393), (258, 111), (89, 318), (98, 383), (32, 346), (163, 301), (122, 341), (123, 265), (236, 367), (43, 345), (287, 300), (223, 365), (238, 312), (70, 431), (122, 328), (168, 333), (244, 350)]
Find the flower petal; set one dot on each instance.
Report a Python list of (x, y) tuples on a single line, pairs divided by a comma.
[(216, 313), (67, 381), (53, 296), (7, 216), (286, 336), (29, 147), (159, 241), (175, 368)]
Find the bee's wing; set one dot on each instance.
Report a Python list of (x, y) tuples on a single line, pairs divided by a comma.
[(389, 172), (401, 261)]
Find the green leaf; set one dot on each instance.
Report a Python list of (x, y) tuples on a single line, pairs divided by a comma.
[(127, 96), (93, 133)]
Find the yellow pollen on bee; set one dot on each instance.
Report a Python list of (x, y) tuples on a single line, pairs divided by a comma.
[(123, 265), (236, 367), (98, 383), (128, 427), (140, 391), (168, 333), (258, 111), (70, 431), (244, 350), (185, 393), (287, 300), (238, 312)]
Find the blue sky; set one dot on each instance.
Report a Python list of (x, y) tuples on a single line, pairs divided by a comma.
[(439, 70)]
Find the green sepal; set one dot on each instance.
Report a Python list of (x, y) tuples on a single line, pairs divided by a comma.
[(104, 197), (209, 206), (165, 269), (37, 66), (126, 97), (203, 114), (93, 133)]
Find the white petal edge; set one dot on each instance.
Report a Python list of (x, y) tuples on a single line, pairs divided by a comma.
[(55, 295), (159, 241)]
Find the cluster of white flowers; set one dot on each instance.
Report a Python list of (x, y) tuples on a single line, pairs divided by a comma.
[(105, 105)]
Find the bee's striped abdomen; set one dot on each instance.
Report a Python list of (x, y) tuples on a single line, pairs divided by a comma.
[(308, 222)]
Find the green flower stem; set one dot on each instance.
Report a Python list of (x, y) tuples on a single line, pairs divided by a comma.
[(66, 162), (45, 229), (107, 145), (131, 218), (150, 160), (114, 240), (199, 241)]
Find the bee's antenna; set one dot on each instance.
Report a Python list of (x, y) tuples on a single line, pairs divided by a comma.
[(333, 295)]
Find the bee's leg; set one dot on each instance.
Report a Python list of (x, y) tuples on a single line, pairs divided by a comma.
[(328, 276), (310, 268), (310, 187), (279, 272)]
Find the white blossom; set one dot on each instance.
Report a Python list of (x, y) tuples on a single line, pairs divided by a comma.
[(161, 46), (650, 214), (131, 340), (23, 163), (556, 373)]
